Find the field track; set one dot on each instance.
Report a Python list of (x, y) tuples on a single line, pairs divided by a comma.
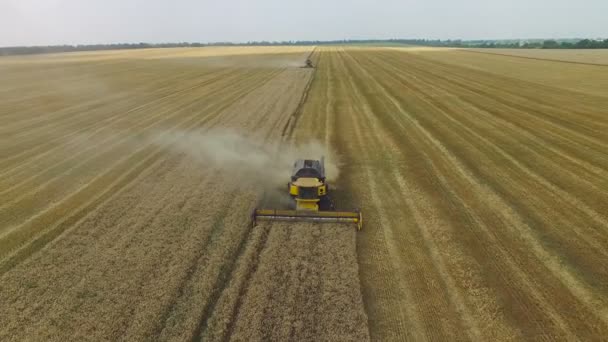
[(485, 195), (127, 179)]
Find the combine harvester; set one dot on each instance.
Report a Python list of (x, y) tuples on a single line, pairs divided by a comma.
[(312, 200)]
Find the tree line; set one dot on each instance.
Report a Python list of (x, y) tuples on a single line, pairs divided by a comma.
[(513, 44), (545, 44), (510, 44), (29, 50)]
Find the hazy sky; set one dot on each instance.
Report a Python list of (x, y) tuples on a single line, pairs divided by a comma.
[(46, 22)]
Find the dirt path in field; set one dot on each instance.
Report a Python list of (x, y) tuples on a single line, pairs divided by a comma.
[(127, 224), (484, 196)]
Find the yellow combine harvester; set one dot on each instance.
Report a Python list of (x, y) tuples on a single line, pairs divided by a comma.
[(312, 202)]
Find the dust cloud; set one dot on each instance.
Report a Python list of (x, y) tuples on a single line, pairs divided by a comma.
[(248, 159)]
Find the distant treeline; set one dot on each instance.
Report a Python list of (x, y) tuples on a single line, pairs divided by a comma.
[(30, 50), (535, 44), (512, 44)]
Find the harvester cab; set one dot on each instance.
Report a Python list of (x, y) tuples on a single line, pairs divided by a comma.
[(311, 198), (307, 186)]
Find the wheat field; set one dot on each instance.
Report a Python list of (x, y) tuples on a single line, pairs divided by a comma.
[(127, 180)]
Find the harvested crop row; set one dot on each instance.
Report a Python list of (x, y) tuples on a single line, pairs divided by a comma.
[(582, 78), (484, 194), (582, 56)]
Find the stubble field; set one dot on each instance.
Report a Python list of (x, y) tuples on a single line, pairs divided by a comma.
[(128, 177), (576, 56), (485, 192)]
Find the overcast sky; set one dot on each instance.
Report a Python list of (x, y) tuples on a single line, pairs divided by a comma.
[(48, 22)]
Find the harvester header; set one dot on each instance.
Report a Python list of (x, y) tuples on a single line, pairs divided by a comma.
[(311, 198), (308, 216)]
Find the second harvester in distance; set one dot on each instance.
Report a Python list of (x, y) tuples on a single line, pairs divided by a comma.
[(311, 195)]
